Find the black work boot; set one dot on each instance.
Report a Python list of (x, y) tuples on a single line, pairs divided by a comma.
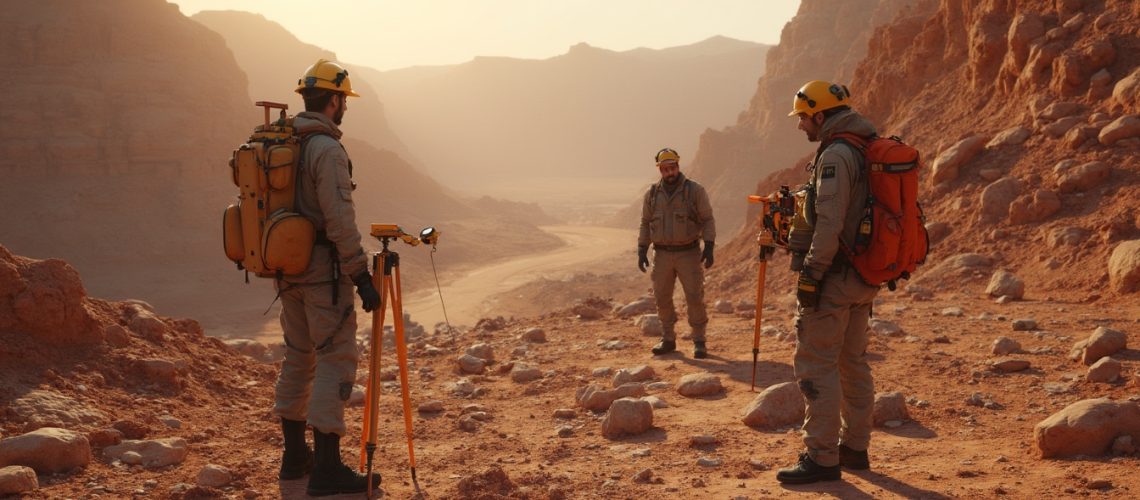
[(699, 350), (297, 460), (330, 476), (807, 471), (664, 347), (853, 459)]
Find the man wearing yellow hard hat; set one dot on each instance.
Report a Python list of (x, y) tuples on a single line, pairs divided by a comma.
[(317, 313), (675, 216), (834, 303)]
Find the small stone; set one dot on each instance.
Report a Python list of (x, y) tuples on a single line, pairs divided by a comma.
[(703, 440), (1010, 365), (952, 311), (1005, 345), (644, 476), (537, 335), (565, 413), (433, 406), (709, 462), (614, 345), (892, 424), (565, 431), (214, 476), (1024, 325), (758, 464), (131, 458), (1098, 484)]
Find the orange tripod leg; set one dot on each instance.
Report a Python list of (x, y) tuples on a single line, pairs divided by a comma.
[(402, 356)]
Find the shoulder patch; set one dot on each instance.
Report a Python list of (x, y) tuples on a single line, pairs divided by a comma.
[(828, 172)]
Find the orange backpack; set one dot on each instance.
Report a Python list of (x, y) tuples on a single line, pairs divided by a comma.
[(891, 240)]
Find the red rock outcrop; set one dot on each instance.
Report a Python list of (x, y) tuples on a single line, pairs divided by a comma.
[(983, 67), (119, 120), (824, 41)]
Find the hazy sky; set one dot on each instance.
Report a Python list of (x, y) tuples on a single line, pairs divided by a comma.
[(390, 34)]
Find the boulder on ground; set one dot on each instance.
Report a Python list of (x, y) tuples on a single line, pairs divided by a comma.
[(596, 398), (1084, 177), (1009, 137), (948, 163), (650, 325), (47, 450), (937, 231), (1086, 427), (1105, 369), (635, 374), (996, 198), (17, 479), (522, 373), (885, 328), (723, 306), (1124, 267), (483, 351), (627, 416), (1005, 283), (1066, 236), (889, 406), (471, 364), (776, 406), (1004, 345), (1033, 207), (643, 305), (149, 453), (1103, 342), (214, 476), (47, 408), (1126, 93), (1125, 127), (537, 335), (696, 385)]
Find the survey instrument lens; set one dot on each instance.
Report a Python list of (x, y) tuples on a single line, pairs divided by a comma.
[(429, 236)]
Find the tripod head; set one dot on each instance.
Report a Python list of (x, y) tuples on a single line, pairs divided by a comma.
[(389, 232)]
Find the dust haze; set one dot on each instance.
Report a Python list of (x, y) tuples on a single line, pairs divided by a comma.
[(122, 322)]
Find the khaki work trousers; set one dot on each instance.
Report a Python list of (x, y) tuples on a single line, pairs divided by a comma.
[(667, 268), (320, 357), (831, 367)]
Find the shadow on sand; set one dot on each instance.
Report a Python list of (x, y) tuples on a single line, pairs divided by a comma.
[(847, 490)]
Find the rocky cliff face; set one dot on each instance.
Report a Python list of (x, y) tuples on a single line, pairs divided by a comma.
[(118, 122), (1027, 113), (113, 87), (824, 41), (273, 59)]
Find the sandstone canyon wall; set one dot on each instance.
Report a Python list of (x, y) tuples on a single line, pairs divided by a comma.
[(1027, 115), (119, 120)]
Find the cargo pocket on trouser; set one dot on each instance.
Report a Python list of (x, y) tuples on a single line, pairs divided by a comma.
[(334, 330)]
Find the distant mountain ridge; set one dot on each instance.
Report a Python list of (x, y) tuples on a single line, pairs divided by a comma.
[(590, 113), (273, 59)]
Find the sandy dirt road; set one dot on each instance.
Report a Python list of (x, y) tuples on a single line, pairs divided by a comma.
[(466, 297)]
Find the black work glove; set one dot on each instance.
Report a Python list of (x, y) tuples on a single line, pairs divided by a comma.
[(707, 255), (369, 297), (642, 258), (808, 291)]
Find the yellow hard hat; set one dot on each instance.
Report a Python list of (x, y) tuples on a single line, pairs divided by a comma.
[(665, 155), (328, 75), (818, 95)]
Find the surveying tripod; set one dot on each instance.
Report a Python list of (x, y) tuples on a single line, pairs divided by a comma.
[(775, 214), (386, 279)]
